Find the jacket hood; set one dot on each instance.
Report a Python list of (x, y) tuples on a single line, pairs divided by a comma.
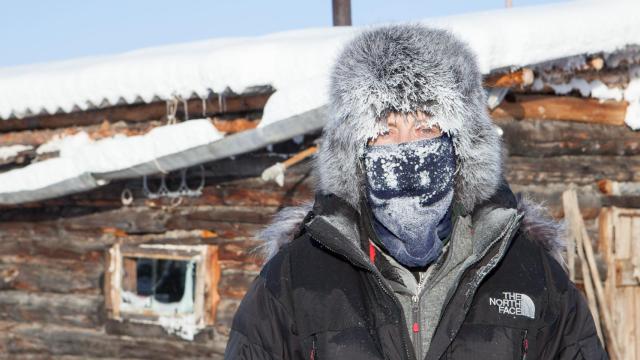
[(408, 68)]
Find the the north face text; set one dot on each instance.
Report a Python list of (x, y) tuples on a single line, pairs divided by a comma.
[(513, 303)]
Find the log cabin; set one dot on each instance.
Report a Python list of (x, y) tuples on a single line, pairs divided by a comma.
[(132, 186)]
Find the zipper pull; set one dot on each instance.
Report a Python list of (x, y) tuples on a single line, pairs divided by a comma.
[(416, 327), (525, 346)]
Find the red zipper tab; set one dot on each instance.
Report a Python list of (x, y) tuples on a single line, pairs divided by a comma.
[(372, 253), (525, 346), (416, 327)]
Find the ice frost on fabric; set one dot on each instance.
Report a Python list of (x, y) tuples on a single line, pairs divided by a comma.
[(410, 188), (421, 168)]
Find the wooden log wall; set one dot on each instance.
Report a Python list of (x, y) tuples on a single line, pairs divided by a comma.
[(52, 253), (52, 260)]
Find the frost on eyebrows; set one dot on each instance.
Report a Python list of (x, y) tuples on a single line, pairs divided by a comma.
[(422, 119)]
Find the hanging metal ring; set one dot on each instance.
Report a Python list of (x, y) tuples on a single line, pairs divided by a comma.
[(126, 197)]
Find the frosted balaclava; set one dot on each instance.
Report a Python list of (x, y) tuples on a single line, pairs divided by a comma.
[(409, 188)]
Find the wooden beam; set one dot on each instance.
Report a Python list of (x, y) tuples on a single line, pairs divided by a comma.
[(341, 12), (522, 77), (582, 170), (617, 188), (52, 341), (140, 112), (51, 308), (212, 281), (593, 284), (567, 108), (234, 125), (545, 138)]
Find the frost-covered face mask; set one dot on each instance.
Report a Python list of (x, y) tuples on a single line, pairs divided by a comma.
[(409, 189)]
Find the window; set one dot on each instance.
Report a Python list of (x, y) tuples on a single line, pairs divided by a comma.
[(174, 286)]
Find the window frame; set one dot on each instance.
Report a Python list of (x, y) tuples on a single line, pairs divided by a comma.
[(206, 296)]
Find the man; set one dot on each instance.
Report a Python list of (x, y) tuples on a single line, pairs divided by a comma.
[(415, 247)]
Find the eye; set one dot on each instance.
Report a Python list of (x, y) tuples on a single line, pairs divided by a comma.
[(428, 132)]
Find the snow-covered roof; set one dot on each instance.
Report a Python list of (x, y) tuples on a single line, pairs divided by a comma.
[(295, 63)]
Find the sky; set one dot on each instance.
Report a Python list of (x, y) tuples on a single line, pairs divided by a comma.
[(36, 31)]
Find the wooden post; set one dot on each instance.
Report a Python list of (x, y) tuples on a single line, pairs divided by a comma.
[(574, 219), (341, 12), (593, 284)]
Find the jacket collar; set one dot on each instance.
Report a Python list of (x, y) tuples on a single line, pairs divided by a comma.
[(341, 228)]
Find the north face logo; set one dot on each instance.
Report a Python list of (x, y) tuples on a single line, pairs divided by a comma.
[(513, 303)]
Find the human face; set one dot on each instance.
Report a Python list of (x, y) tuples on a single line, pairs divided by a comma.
[(406, 128)]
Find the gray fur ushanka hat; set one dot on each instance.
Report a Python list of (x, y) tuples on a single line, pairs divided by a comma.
[(408, 68)]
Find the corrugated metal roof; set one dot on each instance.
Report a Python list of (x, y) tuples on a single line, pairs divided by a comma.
[(506, 37)]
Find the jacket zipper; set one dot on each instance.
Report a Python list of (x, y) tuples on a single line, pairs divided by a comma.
[(381, 284), (416, 328), (313, 355), (525, 345)]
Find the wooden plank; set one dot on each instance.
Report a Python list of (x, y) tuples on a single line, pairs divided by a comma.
[(623, 238), (599, 307), (618, 316), (153, 331), (628, 334), (212, 282), (567, 108), (133, 251), (581, 170), (140, 112), (568, 198), (521, 77), (635, 248), (636, 320), (61, 275), (52, 341), (546, 138), (109, 262), (605, 247), (51, 308), (130, 275), (227, 309), (234, 283), (237, 124)]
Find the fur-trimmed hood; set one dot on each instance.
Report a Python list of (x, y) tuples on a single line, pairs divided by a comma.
[(537, 224), (409, 68)]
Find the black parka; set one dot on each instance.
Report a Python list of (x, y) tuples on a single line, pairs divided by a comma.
[(320, 297)]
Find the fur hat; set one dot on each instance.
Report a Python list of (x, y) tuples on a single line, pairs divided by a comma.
[(408, 68)]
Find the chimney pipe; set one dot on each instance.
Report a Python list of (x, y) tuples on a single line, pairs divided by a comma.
[(341, 12)]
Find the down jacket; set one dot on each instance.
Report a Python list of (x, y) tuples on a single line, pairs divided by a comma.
[(498, 292)]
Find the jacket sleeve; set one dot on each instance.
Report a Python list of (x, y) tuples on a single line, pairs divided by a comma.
[(576, 336), (263, 327)]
